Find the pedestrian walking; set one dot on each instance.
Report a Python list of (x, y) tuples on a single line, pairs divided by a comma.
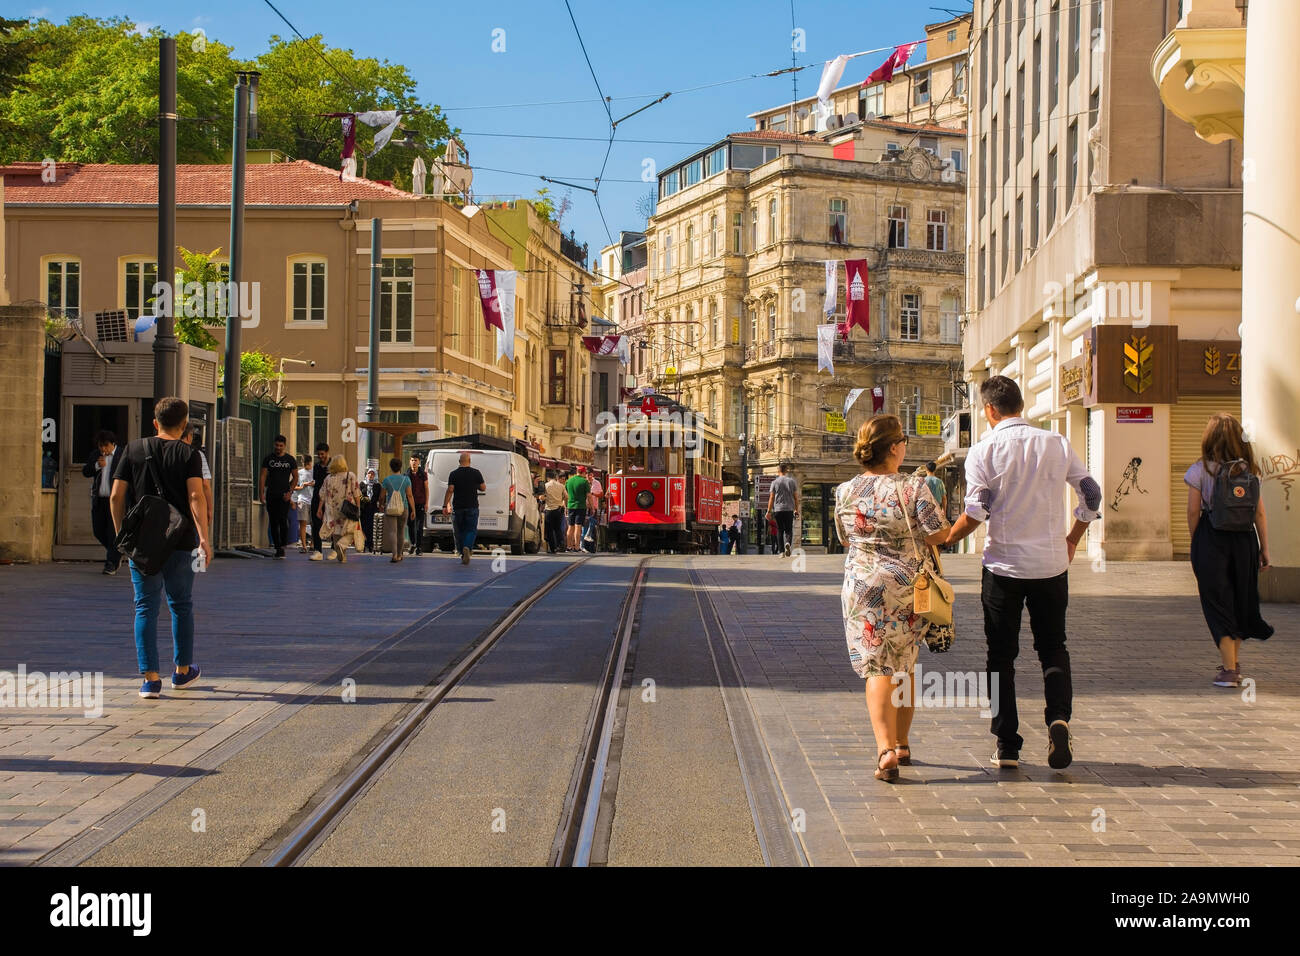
[(773, 534), (167, 467), (370, 492), (320, 470), (1225, 515), (340, 505), (463, 487), (935, 484), (191, 437), (724, 540), (420, 493), (885, 522), (594, 498), (782, 504), (99, 469), (737, 535), (556, 499), (578, 488), (302, 500), (275, 484), (1015, 476), (398, 502)]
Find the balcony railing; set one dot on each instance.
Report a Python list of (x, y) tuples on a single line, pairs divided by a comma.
[(923, 259)]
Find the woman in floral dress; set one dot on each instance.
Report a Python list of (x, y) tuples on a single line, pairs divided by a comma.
[(880, 566), (341, 485)]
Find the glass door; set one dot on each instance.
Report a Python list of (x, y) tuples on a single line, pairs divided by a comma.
[(85, 418)]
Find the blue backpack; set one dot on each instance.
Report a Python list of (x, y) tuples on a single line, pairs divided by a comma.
[(1236, 497)]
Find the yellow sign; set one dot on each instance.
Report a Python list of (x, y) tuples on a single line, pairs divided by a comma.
[(1139, 371), (927, 424), (835, 423), (735, 330)]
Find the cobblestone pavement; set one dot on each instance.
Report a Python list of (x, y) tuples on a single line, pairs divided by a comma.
[(266, 633), (1168, 769)]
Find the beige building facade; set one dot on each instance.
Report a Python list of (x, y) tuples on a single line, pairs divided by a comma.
[(736, 282), (1104, 257)]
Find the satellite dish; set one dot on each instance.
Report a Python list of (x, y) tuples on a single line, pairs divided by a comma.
[(850, 119), (869, 117), (833, 122), (802, 112)]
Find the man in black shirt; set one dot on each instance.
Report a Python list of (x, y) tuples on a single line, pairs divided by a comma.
[(420, 490), (463, 487), (180, 472), (320, 470), (275, 485), (99, 469)]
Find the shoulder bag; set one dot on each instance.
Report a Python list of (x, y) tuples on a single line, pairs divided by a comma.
[(932, 596), (396, 506), (348, 509), (152, 529)]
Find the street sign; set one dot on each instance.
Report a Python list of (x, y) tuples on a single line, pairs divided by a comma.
[(1134, 414), (835, 423), (927, 425), (763, 487)]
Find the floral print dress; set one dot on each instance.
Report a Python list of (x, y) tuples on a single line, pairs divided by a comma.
[(339, 487), (880, 565)]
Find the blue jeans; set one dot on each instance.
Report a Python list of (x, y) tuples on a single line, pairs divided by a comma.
[(177, 578), (464, 527)]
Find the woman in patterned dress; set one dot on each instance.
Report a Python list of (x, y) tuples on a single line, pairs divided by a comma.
[(341, 485), (880, 565)]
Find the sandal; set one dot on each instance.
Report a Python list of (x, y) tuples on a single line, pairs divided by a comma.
[(887, 774), (904, 755)]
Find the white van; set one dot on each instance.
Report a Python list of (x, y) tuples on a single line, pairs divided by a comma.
[(507, 511)]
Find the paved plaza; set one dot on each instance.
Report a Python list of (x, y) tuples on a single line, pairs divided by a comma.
[(1168, 769)]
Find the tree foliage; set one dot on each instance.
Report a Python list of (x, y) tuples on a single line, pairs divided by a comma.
[(193, 329)]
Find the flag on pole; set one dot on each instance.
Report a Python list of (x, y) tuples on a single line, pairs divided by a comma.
[(601, 344), (857, 286), (832, 285), (826, 347), (893, 63), (487, 296), (851, 398), (506, 281), (878, 399)]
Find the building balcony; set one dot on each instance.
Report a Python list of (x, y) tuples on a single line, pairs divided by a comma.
[(837, 444), (924, 260), (1200, 69)]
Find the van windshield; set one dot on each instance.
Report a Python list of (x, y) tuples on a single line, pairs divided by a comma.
[(494, 468)]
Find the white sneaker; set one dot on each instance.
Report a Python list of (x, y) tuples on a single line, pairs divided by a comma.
[(316, 556)]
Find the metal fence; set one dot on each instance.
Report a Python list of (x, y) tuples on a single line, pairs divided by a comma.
[(265, 420)]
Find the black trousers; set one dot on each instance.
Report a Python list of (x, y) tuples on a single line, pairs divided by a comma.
[(277, 513), (785, 530), (101, 522), (415, 527), (368, 525), (1003, 599), (315, 523), (555, 529)]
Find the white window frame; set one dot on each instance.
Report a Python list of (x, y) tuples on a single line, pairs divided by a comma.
[(771, 222), (715, 330), (921, 88), (753, 227), (950, 319), (311, 406), (688, 251), (713, 236), (958, 158), (874, 102), (842, 215), (909, 317), (63, 262), (389, 290), (936, 230), (134, 311), (771, 321), (290, 302), (896, 235)]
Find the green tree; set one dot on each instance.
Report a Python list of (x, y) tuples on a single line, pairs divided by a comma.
[(258, 371), (193, 329), (544, 205)]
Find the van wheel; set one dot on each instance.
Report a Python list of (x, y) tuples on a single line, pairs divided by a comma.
[(517, 547), (535, 545)]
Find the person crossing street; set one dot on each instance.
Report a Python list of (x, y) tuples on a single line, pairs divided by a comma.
[(463, 487)]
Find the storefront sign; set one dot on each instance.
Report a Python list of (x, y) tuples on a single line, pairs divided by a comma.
[(1209, 367), (835, 423), (1134, 414), (928, 425), (1130, 362), (582, 456), (1073, 386)]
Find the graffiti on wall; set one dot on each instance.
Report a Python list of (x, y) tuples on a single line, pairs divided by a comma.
[(1128, 483)]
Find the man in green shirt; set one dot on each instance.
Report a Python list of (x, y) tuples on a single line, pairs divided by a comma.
[(577, 487)]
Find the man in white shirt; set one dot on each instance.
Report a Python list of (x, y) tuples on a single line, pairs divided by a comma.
[(99, 469), (1014, 481)]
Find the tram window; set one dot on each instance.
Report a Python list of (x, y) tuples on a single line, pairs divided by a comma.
[(658, 459)]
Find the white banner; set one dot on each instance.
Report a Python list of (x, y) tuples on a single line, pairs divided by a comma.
[(832, 285), (831, 74), (388, 119), (826, 347), (624, 350), (506, 280), (850, 398)]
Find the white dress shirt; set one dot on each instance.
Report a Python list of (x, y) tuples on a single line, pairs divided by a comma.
[(106, 475), (1013, 481)]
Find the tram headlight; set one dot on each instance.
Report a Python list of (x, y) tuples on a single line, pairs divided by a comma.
[(645, 499)]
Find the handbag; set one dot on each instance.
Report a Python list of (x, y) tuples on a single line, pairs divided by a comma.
[(152, 529), (348, 510), (932, 596)]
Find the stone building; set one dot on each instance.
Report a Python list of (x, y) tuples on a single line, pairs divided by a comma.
[(736, 256)]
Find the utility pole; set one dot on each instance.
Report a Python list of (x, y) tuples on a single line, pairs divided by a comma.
[(372, 381), (164, 343), (245, 89)]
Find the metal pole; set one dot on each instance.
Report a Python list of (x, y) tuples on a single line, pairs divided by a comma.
[(230, 385), (164, 343), (372, 381)]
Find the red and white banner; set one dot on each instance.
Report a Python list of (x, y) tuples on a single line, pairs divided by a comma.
[(487, 295), (893, 63), (609, 345), (878, 399), (857, 294)]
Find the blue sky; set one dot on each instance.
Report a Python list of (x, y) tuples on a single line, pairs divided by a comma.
[(638, 51)]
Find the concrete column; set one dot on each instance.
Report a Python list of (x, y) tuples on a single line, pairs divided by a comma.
[(22, 386), (1270, 284)]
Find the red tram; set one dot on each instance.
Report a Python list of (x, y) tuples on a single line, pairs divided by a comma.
[(665, 482)]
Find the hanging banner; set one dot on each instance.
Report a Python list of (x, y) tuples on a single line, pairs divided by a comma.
[(832, 285), (387, 119), (857, 281), (826, 347), (487, 296), (831, 74), (878, 399), (894, 62), (850, 398), (624, 350), (836, 424), (506, 281), (602, 344)]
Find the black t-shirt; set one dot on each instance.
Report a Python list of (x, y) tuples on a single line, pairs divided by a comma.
[(280, 471), (465, 482), (319, 473), (175, 462)]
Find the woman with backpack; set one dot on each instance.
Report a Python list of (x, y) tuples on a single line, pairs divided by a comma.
[(1225, 515)]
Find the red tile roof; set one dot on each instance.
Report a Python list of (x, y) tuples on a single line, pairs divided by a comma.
[(776, 134), (297, 183)]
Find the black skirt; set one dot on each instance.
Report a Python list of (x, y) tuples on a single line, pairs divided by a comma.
[(1227, 575)]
